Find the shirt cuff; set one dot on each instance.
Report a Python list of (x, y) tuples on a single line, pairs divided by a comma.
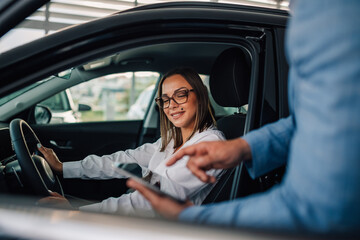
[(258, 165), (72, 169), (95, 207)]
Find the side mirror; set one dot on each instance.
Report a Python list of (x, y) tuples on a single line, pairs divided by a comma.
[(83, 107), (42, 114)]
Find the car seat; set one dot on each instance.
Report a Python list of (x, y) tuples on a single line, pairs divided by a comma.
[(229, 86)]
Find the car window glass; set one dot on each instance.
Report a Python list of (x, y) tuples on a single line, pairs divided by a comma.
[(122, 96), (58, 102)]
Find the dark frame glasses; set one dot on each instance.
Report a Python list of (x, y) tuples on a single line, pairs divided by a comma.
[(180, 96)]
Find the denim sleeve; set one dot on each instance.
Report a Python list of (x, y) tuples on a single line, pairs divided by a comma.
[(269, 146), (260, 211)]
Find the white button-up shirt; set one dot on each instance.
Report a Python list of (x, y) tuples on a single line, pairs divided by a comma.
[(176, 180)]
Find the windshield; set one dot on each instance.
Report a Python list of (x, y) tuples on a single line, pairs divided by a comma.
[(59, 14)]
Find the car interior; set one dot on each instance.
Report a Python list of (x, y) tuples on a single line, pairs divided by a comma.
[(230, 69)]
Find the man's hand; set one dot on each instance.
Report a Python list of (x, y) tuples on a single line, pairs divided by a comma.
[(51, 158), (166, 207), (213, 155), (55, 200)]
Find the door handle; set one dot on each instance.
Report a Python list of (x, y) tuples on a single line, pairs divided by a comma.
[(66, 145)]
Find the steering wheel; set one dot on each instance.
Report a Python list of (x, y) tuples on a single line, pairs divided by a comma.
[(34, 168)]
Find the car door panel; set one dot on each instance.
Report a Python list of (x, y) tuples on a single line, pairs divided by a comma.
[(77, 140)]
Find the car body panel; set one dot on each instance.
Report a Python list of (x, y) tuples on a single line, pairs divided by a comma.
[(42, 223)]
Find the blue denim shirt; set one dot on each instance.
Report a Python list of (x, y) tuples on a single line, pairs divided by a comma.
[(320, 141)]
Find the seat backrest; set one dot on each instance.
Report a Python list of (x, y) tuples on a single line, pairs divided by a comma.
[(229, 86)]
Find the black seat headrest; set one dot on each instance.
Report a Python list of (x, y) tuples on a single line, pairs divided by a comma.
[(230, 78)]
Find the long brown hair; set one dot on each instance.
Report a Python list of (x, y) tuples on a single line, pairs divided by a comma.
[(204, 114)]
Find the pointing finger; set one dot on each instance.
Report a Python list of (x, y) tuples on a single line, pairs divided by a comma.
[(181, 153)]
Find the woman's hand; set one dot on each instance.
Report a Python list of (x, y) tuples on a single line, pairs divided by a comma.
[(165, 206), (55, 200), (213, 155), (51, 158)]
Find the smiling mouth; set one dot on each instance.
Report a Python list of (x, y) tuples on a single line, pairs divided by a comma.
[(176, 115)]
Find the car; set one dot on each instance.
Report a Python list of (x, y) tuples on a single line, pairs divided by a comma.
[(110, 62), (62, 108), (138, 109)]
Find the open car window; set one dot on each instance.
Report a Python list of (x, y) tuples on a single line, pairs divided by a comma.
[(113, 97)]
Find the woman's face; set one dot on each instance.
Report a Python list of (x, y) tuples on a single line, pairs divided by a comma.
[(181, 115)]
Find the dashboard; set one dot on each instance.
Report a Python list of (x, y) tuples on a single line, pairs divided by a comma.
[(6, 150), (10, 171)]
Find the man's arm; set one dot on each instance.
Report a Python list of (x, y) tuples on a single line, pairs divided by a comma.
[(269, 146)]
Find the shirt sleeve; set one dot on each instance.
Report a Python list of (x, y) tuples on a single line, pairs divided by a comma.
[(258, 211), (96, 167), (179, 181), (269, 146)]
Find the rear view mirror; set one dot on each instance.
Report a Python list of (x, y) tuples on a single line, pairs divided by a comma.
[(83, 107)]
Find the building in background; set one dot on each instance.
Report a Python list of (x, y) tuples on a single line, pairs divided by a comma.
[(59, 14)]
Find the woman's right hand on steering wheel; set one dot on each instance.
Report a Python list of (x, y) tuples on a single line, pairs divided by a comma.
[(51, 158)]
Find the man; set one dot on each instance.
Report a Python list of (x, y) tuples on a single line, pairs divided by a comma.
[(320, 141)]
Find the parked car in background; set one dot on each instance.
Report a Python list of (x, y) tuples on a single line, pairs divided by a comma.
[(138, 109), (110, 52), (62, 108)]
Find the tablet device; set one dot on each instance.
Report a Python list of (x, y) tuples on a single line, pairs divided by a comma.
[(128, 170)]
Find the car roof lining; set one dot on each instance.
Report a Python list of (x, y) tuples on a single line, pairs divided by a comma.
[(156, 57)]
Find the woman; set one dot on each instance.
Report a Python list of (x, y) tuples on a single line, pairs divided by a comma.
[(185, 118)]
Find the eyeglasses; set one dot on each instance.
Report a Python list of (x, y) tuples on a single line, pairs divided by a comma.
[(180, 96)]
